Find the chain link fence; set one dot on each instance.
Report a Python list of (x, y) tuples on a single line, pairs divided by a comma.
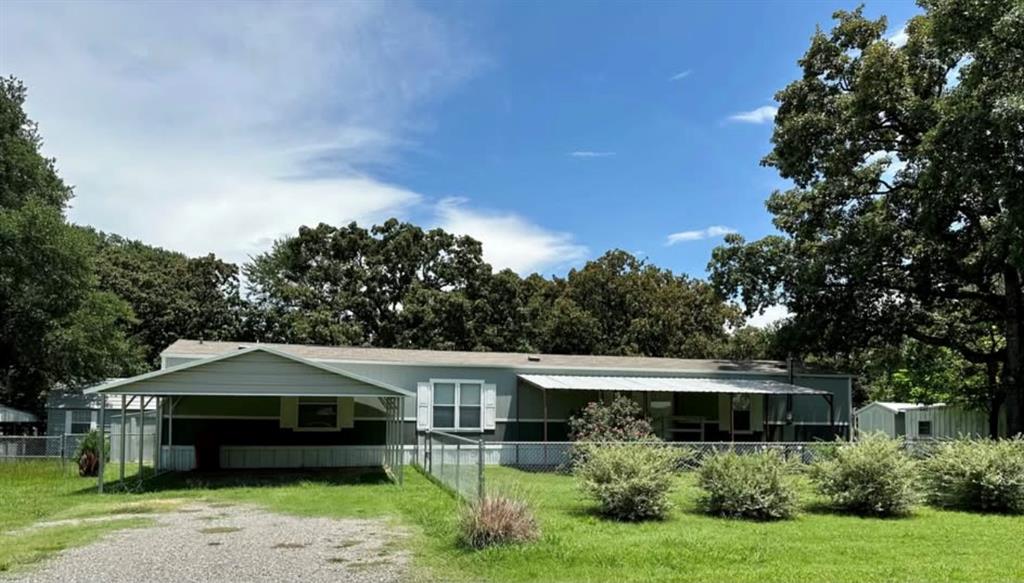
[(455, 461), (452, 455)]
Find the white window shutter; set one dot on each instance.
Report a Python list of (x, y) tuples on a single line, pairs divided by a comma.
[(289, 412), (423, 398), (490, 400), (346, 412)]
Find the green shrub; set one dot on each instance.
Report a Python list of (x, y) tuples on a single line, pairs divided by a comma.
[(873, 476), (983, 475), (629, 481), (497, 520), (87, 454), (757, 486)]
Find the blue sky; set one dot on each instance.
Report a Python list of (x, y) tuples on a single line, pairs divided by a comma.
[(551, 131)]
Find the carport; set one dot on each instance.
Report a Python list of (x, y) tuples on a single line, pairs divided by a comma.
[(315, 400)]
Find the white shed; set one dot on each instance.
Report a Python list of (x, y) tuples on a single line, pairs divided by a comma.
[(919, 421)]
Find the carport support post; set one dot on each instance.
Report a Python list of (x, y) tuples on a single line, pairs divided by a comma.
[(142, 433), (102, 449), (124, 428)]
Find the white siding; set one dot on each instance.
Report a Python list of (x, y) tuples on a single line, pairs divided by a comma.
[(874, 418), (947, 422)]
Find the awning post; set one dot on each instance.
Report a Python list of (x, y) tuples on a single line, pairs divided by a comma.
[(732, 417)]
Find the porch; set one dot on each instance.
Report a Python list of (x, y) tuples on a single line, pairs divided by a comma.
[(691, 409)]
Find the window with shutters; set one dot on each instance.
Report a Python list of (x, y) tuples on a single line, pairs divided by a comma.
[(457, 405)]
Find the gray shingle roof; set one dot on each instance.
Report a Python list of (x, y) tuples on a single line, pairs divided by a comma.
[(516, 360)]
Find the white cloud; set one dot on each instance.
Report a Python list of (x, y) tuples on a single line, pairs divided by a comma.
[(217, 127), (768, 316), (763, 114), (699, 234), (590, 154), (900, 37), (508, 239), (680, 75)]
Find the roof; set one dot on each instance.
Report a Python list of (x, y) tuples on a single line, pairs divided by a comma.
[(12, 415), (127, 386), (667, 384), (516, 360), (899, 407), (76, 400)]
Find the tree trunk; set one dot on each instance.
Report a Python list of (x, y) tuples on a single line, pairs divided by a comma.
[(997, 397), (1013, 371)]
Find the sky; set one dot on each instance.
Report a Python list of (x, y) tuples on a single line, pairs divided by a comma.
[(551, 131)]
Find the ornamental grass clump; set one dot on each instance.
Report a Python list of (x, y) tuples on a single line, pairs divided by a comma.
[(981, 475), (873, 476), (497, 520), (755, 486), (631, 481)]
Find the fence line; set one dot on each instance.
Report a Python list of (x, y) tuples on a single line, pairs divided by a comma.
[(456, 462)]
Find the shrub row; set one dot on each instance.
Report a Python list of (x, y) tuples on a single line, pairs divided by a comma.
[(872, 477)]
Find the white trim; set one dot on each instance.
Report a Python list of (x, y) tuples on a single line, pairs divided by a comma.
[(540, 369), (456, 405), (106, 387)]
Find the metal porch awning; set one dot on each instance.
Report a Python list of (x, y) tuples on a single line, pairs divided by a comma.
[(731, 387), (667, 385)]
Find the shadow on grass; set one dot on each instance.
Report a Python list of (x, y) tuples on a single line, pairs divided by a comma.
[(269, 478)]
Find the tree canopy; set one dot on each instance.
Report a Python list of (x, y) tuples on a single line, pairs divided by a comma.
[(906, 215), (56, 325)]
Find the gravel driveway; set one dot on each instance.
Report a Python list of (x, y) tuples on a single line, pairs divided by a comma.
[(219, 542)]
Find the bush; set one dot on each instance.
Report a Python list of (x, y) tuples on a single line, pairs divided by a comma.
[(618, 420), (870, 477), (629, 481), (757, 486), (87, 454), (983, 475), (497, 520)]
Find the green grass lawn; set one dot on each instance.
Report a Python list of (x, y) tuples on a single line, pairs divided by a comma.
[(576, 545)]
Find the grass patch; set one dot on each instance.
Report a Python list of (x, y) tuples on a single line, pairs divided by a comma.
[(25, 548), (576, 544)]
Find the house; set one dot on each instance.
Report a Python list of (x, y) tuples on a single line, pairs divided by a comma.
[(70, 412), (17, 422), (921, 421), (240, 405)]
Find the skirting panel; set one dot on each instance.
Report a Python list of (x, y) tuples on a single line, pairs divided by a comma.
[(285, 456)]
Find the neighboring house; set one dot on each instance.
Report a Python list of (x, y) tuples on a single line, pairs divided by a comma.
[(259, 405), (77, 412), (16, 422), (919, 421)]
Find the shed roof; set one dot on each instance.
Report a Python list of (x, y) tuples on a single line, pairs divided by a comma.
[(12, 415), (515, 360), (896, 407), (667, 385)]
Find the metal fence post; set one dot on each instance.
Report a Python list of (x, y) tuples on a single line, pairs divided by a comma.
[(480, 471), (458, 464)]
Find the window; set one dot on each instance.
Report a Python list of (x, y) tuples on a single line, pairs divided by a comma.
[(741, 412), (79, 422), (924, 428), (317, 414), (458, 405)]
